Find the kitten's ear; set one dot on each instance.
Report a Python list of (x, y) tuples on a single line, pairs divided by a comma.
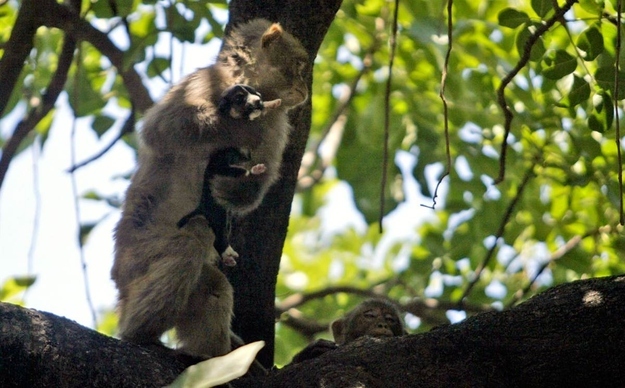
[(273, 33)]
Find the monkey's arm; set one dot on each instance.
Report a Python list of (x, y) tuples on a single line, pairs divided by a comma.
[(314, 350)]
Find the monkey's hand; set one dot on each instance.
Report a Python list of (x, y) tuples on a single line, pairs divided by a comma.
[(314, 350), (185, 220), (229, 257)]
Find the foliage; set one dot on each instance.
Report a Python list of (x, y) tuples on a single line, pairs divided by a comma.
[(554, 217)]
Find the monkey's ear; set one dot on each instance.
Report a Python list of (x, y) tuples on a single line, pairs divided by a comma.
[(271, 35), (338, 331)]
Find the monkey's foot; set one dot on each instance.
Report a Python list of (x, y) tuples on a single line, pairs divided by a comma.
[(258, 169), (229, 257)]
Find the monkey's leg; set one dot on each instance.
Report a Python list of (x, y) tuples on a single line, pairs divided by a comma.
[(150, 304), (204, 326), (218, 220)]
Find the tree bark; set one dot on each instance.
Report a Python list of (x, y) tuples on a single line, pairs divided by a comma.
[(569, 336), (259, 237)]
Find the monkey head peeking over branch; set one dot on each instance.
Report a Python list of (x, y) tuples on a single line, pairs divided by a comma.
[(165, 259), (373, 318)]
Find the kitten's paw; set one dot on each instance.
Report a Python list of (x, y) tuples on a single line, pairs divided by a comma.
[(229, 257), (258, 169)]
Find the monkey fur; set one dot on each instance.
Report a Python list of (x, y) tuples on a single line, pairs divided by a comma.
[(239, 101), (223, 162), (374, 318), (167, 276)]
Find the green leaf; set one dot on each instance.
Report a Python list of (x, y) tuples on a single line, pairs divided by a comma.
[(84, 232), (542, 7), (510, 17), (580, 92), (15, 286), (102, 123), (83, 99), (538, 48), (558, 64), (593, 6), (157, 66), (600, 119), (605, 78), (590, 41)]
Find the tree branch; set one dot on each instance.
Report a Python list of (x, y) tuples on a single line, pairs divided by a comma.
[(501, 98), (39, 112), (60, 16), (569, 335)]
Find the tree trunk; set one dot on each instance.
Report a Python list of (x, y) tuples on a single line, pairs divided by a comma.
[(569, 336), (259, 237)]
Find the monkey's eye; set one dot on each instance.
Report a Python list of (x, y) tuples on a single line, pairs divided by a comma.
[(370, 314), (390, 318)]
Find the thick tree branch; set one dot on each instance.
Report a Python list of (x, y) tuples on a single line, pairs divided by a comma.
[(17, 48), (570, 335), (60, 16), (39, 112)]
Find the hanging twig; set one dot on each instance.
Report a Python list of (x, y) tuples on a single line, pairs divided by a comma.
[(441, 94), (387, 114), (81, 249), (129, 126), (617, 67), (501, 98), (344, 103)]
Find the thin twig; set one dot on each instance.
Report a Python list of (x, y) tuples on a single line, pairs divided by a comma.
[(616, 110), (344, 103), (129, 126), (500, 231), (501, 98), (81, 249), (387, 114), (450, 4), (556, 255)]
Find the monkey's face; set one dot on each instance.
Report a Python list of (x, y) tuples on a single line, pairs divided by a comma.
[(284, 64), (374, 322), (288, 81)]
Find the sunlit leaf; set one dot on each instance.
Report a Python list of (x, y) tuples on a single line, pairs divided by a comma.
[(102, 123), (600, 119), (591, 42), (510, 17), (542, 7), (558, 64)]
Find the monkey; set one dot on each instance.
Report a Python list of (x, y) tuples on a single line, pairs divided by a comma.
[(374, 318), (240, 101), (166, 275), (223, 162)]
